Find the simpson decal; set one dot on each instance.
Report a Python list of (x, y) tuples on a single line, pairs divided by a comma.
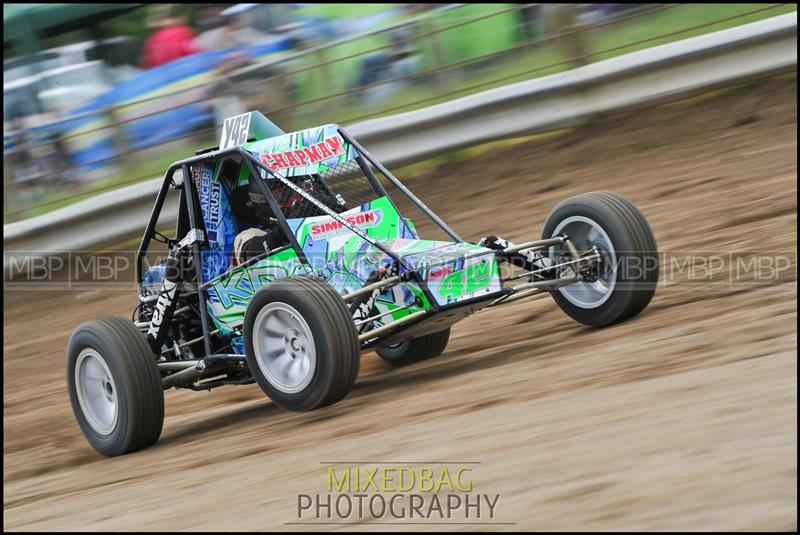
[(313, 154), (331, 227)]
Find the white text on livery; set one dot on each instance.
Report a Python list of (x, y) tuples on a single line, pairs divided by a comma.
[(327, 148), (209, 197), (368, 219)]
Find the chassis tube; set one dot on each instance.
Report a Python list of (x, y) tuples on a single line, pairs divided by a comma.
[(151, 223), (331, 213), (188, 375), (516, 295), (199, 369), (176, 365), (273, 205), (367, 289), (382, 314), (548, 284), (529, 289), (369, 335), (576, 262), (364, 165), (188, 185), (532, 244), (413, 198)]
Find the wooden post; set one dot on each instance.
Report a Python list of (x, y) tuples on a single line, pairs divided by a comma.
[(327, 82), (561, 18), (440, 78)]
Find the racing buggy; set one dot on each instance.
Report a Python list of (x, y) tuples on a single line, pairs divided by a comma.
[(289, 258)]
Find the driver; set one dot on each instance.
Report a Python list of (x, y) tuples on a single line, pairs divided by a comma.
[(260, 230)]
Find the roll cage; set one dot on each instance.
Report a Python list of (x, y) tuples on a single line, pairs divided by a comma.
[(190, 226)]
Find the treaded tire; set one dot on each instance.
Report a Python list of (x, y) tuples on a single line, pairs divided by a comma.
[(416, 349), (137, 384), (334, 336), (634, 245)]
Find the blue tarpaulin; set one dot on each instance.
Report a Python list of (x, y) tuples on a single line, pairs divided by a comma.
[(154, 129)]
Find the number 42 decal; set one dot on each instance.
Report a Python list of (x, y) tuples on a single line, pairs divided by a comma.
[(466, 281)]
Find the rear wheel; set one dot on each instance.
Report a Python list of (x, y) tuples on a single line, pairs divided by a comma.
[(301, 343), (622, 284), (416, 349), (114, 386)]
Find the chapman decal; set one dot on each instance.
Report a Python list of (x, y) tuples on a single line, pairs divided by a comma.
[(313, 154), (330, 227)]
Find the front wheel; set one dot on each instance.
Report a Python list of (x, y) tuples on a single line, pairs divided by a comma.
[(114, 386), (301, 343), (622, 284)]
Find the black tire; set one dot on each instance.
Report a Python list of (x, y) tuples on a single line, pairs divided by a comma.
[(335, 340), (635, 247), (416, 349), (136, 383)]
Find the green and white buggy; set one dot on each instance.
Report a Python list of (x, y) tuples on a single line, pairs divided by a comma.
[(342, 272)]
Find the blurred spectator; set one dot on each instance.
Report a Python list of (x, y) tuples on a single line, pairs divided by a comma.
[(227, 29), (173, 38), (416, 9), (529, 15), (400, 61)]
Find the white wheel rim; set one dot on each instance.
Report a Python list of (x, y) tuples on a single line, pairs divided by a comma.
[(284, 347), (97, 392), (586, 233)]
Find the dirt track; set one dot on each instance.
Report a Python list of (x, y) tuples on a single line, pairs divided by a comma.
[(685, 417)]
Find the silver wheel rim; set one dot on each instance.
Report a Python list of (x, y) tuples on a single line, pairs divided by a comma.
[(97, 392), (585, 234), (284, 347)]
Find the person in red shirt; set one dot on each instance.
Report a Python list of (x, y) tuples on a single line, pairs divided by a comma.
[(172, 40)]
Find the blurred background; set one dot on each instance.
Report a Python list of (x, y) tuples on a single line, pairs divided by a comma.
[(97, 96)]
